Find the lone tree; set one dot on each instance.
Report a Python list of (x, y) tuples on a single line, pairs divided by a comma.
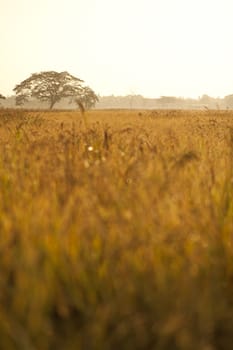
[(2, 97), (49, 86)]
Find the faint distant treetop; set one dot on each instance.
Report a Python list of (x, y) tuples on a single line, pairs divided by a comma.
[(2, 97), (229, 101), (49, 86)]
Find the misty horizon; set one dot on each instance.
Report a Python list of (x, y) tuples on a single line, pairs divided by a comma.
[(131, 102)]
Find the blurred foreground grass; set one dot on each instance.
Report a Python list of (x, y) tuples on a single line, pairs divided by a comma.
[(116, 232)]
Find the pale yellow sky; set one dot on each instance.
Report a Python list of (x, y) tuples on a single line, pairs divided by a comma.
[(148, 47)]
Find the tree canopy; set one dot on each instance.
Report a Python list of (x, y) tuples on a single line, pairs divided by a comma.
[(51, 86), (2, 97), (87, 98)]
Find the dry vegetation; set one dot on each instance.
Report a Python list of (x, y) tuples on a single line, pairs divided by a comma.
[(116, 230)]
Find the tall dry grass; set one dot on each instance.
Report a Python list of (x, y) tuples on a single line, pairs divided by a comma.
[(116, 233)]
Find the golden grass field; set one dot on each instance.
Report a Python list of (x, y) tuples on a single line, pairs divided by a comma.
[(116, 230)]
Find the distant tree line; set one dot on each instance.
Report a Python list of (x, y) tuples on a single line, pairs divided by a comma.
[(166, 102), (63, 90)]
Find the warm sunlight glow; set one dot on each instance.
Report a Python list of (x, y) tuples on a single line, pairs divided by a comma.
[(148, 47)]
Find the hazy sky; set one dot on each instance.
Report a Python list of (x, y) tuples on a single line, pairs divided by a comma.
[(148, 47)]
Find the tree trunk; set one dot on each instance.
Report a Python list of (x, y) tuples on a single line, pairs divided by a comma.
[(81, 106), (52, 103)]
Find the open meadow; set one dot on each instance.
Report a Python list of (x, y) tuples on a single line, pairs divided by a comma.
[(116, 230)]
